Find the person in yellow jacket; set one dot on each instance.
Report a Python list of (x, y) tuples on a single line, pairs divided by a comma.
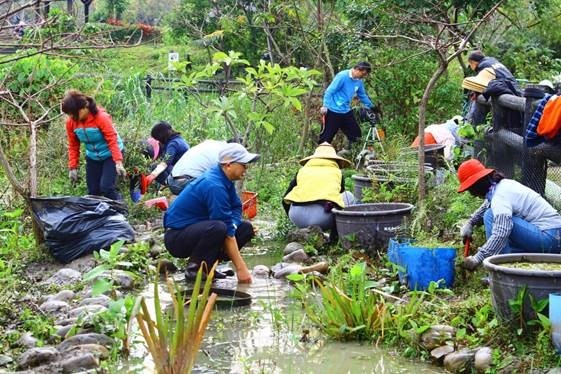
[(318, 188)]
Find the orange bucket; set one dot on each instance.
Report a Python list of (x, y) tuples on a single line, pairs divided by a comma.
[(249, 204), (429, 139)]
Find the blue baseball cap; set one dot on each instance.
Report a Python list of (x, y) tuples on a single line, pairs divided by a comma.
[(235, 152)]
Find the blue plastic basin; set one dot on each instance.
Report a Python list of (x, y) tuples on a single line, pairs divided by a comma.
[(420, 266)]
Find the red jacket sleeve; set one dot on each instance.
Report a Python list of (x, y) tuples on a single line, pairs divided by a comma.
[(105, 124), (73, 145)]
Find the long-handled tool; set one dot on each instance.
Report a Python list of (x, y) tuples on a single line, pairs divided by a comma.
[(467, 244)]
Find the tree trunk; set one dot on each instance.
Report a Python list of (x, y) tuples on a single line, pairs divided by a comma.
[(442, 66)]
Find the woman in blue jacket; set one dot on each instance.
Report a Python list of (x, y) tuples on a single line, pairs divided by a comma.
[(172, 147)]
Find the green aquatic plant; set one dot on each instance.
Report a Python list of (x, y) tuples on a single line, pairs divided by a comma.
[(174, 339), (349, 309)]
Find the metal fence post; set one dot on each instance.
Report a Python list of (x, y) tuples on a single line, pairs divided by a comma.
[(148, 86)]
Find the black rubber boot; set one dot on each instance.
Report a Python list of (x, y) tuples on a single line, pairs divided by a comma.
[(192, 269)]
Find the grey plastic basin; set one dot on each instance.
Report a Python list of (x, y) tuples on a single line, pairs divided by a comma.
[(506, 282), (370, 226)]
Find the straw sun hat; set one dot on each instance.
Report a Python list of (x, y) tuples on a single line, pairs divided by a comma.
[(326, 151), (480, 81)]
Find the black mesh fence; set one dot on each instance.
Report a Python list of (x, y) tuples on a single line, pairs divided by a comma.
[(503, 146)]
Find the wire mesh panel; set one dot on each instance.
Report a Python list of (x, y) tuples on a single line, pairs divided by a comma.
[(537, 167)]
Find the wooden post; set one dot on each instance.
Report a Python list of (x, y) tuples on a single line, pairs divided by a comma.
[(86, 9), (69, 6)]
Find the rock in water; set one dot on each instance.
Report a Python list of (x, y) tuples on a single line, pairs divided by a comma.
[(292, 247), (458, 362), (282, 271), (298, 256), (261, 271), (436, 336)]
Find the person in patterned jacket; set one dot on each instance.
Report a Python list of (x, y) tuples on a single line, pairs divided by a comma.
[(516, 218), (92, 126)]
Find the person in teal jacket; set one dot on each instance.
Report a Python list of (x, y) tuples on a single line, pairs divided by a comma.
[(92, 126), (337, 99)]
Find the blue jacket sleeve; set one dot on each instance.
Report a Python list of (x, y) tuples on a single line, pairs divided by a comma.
[(361, 93), (333, 87)]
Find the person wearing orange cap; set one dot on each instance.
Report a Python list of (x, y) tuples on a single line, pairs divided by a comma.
[(516, 218)]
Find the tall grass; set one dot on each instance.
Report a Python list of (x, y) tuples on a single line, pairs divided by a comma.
[(174, 341)]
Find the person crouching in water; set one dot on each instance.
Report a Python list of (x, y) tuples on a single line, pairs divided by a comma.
[(516, 218), (317, 188), (204, 222)]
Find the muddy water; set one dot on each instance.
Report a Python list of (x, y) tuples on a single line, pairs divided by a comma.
[(271, 336)]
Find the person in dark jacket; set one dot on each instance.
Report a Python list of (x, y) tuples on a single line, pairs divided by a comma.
[(92, 126), (204, 222), (504, 80), (172, 147)]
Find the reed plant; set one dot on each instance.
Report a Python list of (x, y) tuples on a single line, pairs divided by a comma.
[(174, 340), (348, 308)]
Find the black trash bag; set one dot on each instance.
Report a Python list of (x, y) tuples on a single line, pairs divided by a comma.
[(77, 226)]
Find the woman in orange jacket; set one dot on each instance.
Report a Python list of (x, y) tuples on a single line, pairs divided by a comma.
[(91, 125)]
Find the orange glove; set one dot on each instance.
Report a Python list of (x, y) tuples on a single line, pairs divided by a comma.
[(145, 181)]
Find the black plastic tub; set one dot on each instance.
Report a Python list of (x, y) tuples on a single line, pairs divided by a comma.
[(226, 298), (370, 226), (506, 282)]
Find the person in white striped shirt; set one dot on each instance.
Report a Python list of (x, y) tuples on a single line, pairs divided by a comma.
[(516, 218)]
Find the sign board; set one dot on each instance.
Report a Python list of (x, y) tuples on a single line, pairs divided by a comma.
[(172, 58)]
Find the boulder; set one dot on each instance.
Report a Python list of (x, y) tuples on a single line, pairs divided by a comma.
[(297, 256), (292, 247), (437, 336), (65, 276), (90, 338), (483, 359), (312, 235), (86, 309), (439, 352), (64, 295), (54, 306), (27, 340), (261, 271), (84, 361), (37, 356), (459, 362)]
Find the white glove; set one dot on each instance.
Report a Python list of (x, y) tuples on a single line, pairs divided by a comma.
[(73, 175), (120, 169), (467, 230), (323, 110)]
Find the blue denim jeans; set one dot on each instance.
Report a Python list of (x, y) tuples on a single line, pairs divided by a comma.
[(525, 237), (101, 178)]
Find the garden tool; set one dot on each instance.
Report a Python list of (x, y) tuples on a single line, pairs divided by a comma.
[(467, 243)]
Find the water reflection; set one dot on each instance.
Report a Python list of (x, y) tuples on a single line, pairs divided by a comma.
[(266, 338)]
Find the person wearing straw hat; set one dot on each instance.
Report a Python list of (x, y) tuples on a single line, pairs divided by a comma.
[(317, 188), (516, 218), (336, 110), (204, 223), (487, 68)]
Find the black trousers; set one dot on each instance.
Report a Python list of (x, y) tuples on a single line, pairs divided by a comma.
[(344, 121), (101, 178), (204, 241)]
